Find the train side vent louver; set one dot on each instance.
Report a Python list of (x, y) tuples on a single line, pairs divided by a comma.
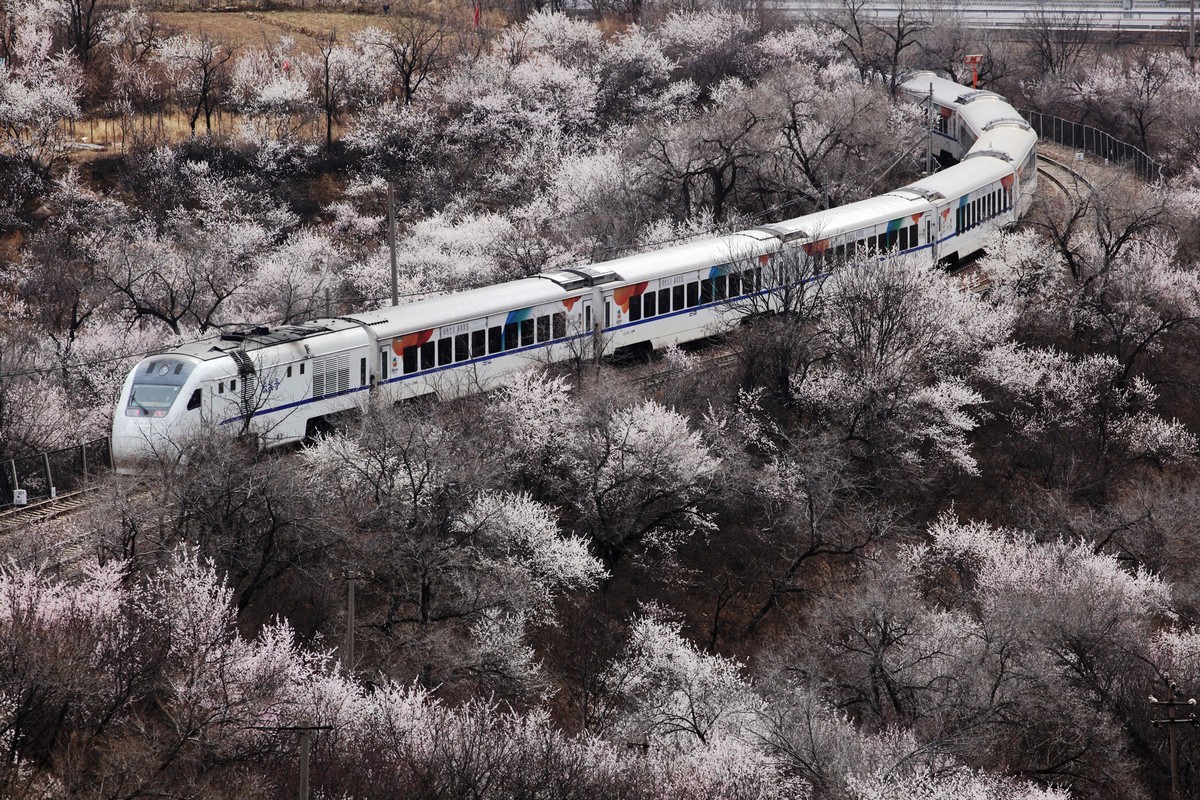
[(331, 375)]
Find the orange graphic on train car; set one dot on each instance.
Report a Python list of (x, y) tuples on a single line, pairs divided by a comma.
[(1006, 181), (623, 295), (917, 217), (410, 340), (813, 248), (570, 302)]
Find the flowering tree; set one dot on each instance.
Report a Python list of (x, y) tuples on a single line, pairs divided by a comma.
[(1078, 421), (198, 69), (669, 694), (904, 339), (458, 573), (39, 90), (639, 475)]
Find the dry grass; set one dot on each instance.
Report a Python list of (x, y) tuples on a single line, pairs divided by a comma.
[(254, 28), (244, 30)]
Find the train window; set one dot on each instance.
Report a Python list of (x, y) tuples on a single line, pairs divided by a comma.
[(445, 351), (428, 361), (871, 244), (362, 372), (648, 304), (720, 287), (178, 368), (495, 339), (301, 369), (194, 401), (664, 301), (383, 363), (559, 322), (735, 284), (512, 336), (904, 238), (289, 370), (462, 347), (758, 281), (587, 317), (677, 298), (706, 291), (635, 309), (221, 387), (543, 328), (693, 294), (913, 238), (527, 327), (233, 386), (478, 344), (410, 359)]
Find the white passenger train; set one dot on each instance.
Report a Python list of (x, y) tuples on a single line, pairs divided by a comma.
[(285, 382)]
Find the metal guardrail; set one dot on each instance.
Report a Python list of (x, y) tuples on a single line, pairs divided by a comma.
[(46, 475), (1086, 139)]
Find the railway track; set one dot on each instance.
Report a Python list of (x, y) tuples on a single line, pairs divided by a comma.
[(59, 548), (63, 505), (1071, 183)]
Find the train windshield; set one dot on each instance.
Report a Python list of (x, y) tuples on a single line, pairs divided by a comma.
[(156, 384)]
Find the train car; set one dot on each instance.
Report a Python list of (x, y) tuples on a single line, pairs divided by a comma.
[(285, 383)]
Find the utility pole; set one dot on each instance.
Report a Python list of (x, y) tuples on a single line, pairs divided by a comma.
[(392, 241), (1192, 34), (305, 753), (1174, 700), (306, 732), (929, 135), (349, 659)]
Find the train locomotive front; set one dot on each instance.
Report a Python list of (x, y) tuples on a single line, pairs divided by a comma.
[(161, 400)]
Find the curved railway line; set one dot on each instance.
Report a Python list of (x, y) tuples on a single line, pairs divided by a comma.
[(1066, 179), (63, 552)]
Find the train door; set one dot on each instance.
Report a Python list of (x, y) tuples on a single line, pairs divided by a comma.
[(931, 233), (597, 328), (385, 352)]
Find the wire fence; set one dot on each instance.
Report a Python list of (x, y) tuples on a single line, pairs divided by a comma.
[(1086, 139), (46, 475)]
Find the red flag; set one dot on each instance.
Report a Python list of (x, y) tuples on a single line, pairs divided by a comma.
[(476, 13)]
